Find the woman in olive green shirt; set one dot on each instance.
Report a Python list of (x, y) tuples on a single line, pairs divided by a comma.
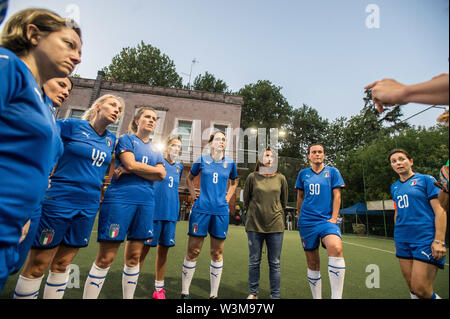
[(265, 197)]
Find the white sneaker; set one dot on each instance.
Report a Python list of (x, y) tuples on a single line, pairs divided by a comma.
[(252, 296)]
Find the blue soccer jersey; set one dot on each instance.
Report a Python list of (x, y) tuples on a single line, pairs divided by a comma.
[(78, 177), (213, 184), (318, 189), (131, 188), (415, 216), (166, 193), (29, 145)]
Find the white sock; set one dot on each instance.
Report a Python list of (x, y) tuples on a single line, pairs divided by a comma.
[(413, 295), (27, 288), (186, 278), (159, 284), (130, 278), (215, 273), (315, 282), (56, 284), (336, 272), (94, 282)]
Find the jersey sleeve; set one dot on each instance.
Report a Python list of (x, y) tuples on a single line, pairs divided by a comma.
[(233, 171), (432, 190), (196, 167), (9, 81), (337, 180), (299, 182), (124, 145), (65, 127)]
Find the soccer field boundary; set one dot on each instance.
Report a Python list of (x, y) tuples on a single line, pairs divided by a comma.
[(374, 248)]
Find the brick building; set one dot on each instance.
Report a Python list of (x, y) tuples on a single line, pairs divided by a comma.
[(190, 114)]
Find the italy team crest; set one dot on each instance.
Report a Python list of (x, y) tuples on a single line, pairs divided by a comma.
[(113, 230), (326, 174), (46, 236), (225, 165), (195, 228), (108, 141), (413, 182)]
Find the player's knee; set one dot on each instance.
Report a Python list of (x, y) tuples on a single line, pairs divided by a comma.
[(104, 262), (421, 291), (59, 266), (193, 254), (216, 255)]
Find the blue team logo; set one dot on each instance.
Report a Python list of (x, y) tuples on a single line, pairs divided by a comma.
[(46, 236), (413, 182), (195, 228), (114, 230), (108, 141), (225, 165), (326, 174)]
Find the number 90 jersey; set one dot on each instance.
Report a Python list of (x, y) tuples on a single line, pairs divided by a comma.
[(79, 173), (415, 216), (318, 188), (214, 182)]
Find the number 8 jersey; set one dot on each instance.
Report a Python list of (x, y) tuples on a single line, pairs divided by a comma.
[(415, 216), (79, 174), (214, 182), (318, 188)]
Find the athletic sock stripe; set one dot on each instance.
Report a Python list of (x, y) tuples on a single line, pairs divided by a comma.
[(96, 277), (55, 285), (314, 278), (193, 267), (216, 267), (25, 295), (335, 267), (126, 274)]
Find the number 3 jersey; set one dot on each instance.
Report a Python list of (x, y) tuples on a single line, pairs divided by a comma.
[(214, 182), (78, 176), (415, 216), (318, 188), (166, 194)]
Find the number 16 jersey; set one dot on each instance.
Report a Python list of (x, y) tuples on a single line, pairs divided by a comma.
[(79, 174)]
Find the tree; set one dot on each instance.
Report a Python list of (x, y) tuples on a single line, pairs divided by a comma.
[(144, 64), (209, 83), (264, 106)]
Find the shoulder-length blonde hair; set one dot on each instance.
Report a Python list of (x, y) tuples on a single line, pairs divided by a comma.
[(132, 127), (91, 113), (14, 34)]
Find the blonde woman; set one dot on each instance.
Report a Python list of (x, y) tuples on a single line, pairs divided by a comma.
[(167, 213), (36, 45), (128, 205), (72, 201)]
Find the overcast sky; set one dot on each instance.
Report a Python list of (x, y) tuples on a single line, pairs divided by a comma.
[(322, 53)]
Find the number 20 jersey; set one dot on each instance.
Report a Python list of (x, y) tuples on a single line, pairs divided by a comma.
[(79, 174), (415, 216)]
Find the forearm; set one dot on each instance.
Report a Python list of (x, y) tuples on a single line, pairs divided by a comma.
[(434, 91), (440, 221), (231, 190), (336, 204), (191, 187), (148, 172), (300, 198)]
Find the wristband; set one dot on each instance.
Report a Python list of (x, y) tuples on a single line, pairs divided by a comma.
[(439, 242)]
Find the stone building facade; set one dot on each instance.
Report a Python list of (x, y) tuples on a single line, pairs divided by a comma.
[(191, 114)]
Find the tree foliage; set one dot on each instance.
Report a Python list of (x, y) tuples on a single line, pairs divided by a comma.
[(143, 64), (208, 82)]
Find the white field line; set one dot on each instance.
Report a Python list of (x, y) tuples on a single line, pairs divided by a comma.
[(373, 248)]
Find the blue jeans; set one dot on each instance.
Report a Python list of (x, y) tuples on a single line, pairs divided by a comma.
[(274, 243)]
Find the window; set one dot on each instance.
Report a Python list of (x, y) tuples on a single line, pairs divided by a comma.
[(222, 128), (76, 114), (185, 131)]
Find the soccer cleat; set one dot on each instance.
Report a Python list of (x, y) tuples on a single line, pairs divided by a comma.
[(185, 297), (251, 296), (159, 294)]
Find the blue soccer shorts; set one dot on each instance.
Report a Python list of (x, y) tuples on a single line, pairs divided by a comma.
[(312, 234), (117, 221), (417, 251), (163, 233), (201, 224), (9, 256), (68, 226)]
